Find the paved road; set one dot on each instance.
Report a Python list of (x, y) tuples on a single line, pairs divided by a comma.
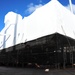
[(27, 71)]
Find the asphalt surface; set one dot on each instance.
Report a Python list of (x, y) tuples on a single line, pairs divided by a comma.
[(31, 71)]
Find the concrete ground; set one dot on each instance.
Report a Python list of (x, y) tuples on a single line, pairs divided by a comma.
[(30, 71)]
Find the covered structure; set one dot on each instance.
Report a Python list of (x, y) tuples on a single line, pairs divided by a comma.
[(50, 38)]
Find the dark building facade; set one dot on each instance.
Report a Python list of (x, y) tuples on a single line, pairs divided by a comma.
[(53, 51)]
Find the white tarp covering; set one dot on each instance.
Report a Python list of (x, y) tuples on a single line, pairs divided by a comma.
[(46, 20)]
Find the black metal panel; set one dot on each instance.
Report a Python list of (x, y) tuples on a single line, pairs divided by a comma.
[(53, 50)]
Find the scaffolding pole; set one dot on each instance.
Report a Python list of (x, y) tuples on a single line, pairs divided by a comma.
[(70, 49)]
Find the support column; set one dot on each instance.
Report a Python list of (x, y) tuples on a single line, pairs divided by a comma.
[(71, 55), (64, 57)]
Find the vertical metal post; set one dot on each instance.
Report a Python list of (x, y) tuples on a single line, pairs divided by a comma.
[(57, 53), (64, 57), (70, 2), (15, 30), (71, 56)]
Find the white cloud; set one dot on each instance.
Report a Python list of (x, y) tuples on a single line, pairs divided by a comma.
[(31, 7), (73, 7)]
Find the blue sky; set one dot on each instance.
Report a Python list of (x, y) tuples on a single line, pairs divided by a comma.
[(24, 7)]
